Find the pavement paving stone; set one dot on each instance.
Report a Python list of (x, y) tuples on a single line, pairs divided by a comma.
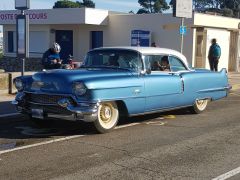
[(7, 97)]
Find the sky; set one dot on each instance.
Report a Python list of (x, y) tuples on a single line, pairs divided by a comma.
[(113, 5)]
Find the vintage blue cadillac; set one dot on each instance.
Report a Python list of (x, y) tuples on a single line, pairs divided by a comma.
[(119, 81)]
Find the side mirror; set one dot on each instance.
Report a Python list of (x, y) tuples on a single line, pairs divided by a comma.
[(148, 71)]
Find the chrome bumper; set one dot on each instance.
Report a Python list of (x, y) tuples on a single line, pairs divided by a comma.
[(84, 111)]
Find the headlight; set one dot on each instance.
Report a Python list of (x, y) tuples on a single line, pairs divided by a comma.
[(79, 88), (18, 84)]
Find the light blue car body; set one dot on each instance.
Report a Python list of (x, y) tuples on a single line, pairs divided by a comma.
[(136, 92)]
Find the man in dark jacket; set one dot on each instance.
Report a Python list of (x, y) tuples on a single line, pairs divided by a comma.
[(51, 58), (214, 54)]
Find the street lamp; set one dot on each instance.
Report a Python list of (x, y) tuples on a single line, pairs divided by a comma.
[(22, 29)]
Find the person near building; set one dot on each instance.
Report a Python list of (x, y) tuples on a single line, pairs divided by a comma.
[(51, 58), (214, 54), (153, 44)]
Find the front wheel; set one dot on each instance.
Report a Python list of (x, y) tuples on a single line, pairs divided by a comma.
[(199, 106), (108, 116)]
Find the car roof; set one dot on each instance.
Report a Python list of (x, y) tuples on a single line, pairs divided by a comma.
[(150, 50)]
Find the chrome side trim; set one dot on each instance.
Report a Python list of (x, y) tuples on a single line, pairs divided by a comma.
[(160, 110), (40, 104), (229, 87), (82, 110), (215, 89)]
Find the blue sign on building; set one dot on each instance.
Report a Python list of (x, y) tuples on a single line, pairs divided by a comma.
[(140, 38), (183, 30)]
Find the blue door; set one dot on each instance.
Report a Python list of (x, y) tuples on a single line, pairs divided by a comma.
[(65, 39), (163, 90), (96, 39)]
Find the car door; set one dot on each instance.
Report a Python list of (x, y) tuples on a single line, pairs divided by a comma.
[(163, 88)]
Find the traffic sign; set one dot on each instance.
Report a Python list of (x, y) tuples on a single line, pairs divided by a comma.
[(182, 8), (183, 30)]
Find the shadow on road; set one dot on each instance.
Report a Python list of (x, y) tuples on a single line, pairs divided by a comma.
[(21, 127), (6, 107)]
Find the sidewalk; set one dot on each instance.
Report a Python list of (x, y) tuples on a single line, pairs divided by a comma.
[(7, 97), (234, 74)]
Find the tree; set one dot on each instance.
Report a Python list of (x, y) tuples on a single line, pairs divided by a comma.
[(152, 6), (87, 3), (230, 8), (66, 4), (233, 5), (71, 4)]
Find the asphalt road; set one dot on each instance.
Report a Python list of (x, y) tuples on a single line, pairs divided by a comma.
[(172, 145), (5, 106)]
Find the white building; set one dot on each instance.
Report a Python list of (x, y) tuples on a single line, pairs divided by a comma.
[(79, 30), (1, 41)]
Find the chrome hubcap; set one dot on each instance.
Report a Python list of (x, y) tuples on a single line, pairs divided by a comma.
[(106, 114), (201, 104)]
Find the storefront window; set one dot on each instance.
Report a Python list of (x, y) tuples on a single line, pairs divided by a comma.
[(10, 41)]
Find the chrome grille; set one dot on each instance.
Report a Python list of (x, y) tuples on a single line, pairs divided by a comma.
[(45, 98)]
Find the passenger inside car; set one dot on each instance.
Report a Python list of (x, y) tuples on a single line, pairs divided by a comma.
[(165, 63), (156, 66)]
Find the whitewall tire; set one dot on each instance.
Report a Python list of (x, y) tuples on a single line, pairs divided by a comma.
[(108, 115), (199, 106)]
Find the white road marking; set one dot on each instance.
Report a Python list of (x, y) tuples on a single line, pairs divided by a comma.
[(236, 87), (40, 144), (228, 174), (127, 125), (156, 123), (58, 140), (8, 115)]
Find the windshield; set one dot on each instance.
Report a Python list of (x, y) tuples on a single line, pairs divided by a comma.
[(113, 58)]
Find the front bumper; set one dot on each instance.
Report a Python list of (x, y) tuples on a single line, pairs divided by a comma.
[(64, 108)]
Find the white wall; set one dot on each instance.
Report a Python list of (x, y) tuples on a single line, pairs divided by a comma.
[(81, 37), (215, 21), (223, 39), (58, 16), (39, 42), (164, 28), (84, 38)]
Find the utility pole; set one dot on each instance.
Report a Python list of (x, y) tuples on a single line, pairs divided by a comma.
[(182, 9)]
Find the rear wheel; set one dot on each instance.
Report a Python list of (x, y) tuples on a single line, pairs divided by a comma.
[(108, 115), (199, 106)]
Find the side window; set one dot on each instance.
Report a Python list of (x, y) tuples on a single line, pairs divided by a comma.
[(176, 64), (158, 62)]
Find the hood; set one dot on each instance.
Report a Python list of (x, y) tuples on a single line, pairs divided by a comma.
[(60, 80)]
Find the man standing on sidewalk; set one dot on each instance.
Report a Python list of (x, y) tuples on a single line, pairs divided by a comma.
[(214, 54)]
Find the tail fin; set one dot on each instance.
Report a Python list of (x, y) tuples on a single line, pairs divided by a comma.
[(223, 71)]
